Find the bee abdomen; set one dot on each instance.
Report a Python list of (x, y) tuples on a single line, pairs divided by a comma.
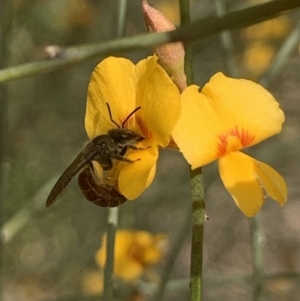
[(101, 195)]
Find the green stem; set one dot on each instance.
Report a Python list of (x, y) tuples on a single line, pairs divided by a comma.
[(112, 224), (197, 188), (185, 19), (257, 256), (6, 17), (191, 32), (5, 27), (23, 216), (122, 8), (184, 7), (198, 219)]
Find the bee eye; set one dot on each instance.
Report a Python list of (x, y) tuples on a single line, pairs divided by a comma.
[(126, 136)]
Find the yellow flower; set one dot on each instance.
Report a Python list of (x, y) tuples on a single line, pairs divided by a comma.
[(125, 86), (225, 117), (258, 57), (135, 251)]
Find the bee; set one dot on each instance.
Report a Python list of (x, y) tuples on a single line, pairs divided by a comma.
[(102, 149)]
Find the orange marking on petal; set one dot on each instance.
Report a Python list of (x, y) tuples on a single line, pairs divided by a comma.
[(233, 140), (146, 132)]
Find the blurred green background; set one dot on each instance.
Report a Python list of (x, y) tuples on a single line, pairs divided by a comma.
[(46, 252)]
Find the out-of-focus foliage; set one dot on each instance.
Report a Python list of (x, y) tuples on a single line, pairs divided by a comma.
[(262, 40), (52, 251)]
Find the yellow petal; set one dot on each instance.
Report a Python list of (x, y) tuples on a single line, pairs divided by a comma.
[(159, 99), (246, 179), (272, 182), (151, 175), (196, 132), (112, 81), (227, 115), (135, 177), (245, 104)]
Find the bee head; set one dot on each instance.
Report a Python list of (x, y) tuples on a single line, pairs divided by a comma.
[(124, 136)]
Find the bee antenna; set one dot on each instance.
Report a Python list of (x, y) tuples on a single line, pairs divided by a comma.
[(110, 116), (134, 111)]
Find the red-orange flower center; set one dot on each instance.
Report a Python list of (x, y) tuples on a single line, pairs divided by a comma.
[(233, 140)]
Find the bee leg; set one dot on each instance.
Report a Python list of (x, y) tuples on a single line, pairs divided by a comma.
[(120, 158), (130, 146)]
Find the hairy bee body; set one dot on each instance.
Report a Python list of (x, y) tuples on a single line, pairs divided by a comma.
[(102, 149), (111, 146)]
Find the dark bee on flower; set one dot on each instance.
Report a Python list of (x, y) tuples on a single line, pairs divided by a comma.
[(102, 149)]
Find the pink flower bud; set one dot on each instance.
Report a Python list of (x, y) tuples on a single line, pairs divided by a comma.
[(171, 55)]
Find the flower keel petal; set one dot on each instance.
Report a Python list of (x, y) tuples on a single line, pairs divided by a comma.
[(246, 179), (272, 182), (135, 177), (237, 174)]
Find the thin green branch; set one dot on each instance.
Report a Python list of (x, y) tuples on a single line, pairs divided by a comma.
[(5, 27), (198, 219), (197, 187), (188, 33), (257, 241), (122, 9), (19, 220), (112, 224), (184, 7)]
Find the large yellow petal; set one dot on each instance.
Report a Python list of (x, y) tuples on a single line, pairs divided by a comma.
[(227, 115), (135, 177), (112, 81), (197, 130), (246, 179), (245, 104), (159, 99)]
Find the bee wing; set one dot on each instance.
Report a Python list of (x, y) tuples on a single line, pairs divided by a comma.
[(68, 175)]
